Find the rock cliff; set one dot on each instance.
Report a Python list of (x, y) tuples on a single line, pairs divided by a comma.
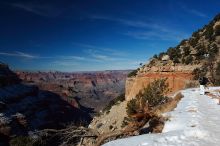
[(190, 59), (176, 81), (177, 77)]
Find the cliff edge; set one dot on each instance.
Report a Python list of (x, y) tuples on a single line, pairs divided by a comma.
[(182, 65)]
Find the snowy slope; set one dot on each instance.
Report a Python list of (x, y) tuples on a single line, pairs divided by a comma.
[(195, 122)]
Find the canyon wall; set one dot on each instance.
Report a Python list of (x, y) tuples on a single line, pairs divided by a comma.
[(177, 78)]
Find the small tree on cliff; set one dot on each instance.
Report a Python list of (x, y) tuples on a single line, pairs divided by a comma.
[(132, 107), (151, 96), (155, 92), (133, 73)]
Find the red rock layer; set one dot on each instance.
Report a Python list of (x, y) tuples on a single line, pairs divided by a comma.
[(176, 80)]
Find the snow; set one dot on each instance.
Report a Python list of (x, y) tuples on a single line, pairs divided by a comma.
[(194, 122)]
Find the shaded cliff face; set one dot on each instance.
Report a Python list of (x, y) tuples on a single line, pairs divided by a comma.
[(92, 89), (24, 108), (7, 77)]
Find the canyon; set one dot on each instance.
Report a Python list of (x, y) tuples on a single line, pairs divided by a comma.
[(92, 89), (32, 101)]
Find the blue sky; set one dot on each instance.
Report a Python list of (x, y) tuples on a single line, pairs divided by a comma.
[(90, 35)]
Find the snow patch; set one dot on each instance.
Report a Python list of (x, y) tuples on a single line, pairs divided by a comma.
[(194, 122)]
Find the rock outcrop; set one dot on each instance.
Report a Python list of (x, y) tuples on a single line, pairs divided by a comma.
[(176, 80), (177, 77), (108, 122), (191, 58)]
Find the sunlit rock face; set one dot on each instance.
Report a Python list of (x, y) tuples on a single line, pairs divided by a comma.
[(177, 78), (176, 81)]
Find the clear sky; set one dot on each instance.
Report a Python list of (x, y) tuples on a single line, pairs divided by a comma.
[(89, 35)]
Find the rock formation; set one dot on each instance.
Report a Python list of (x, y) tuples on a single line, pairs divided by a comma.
[(194, 57), (177, 77)]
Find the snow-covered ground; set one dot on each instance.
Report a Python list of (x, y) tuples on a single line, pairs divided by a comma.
[(195, 122)]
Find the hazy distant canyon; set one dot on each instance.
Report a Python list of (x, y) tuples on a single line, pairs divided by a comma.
[(91, 89)]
